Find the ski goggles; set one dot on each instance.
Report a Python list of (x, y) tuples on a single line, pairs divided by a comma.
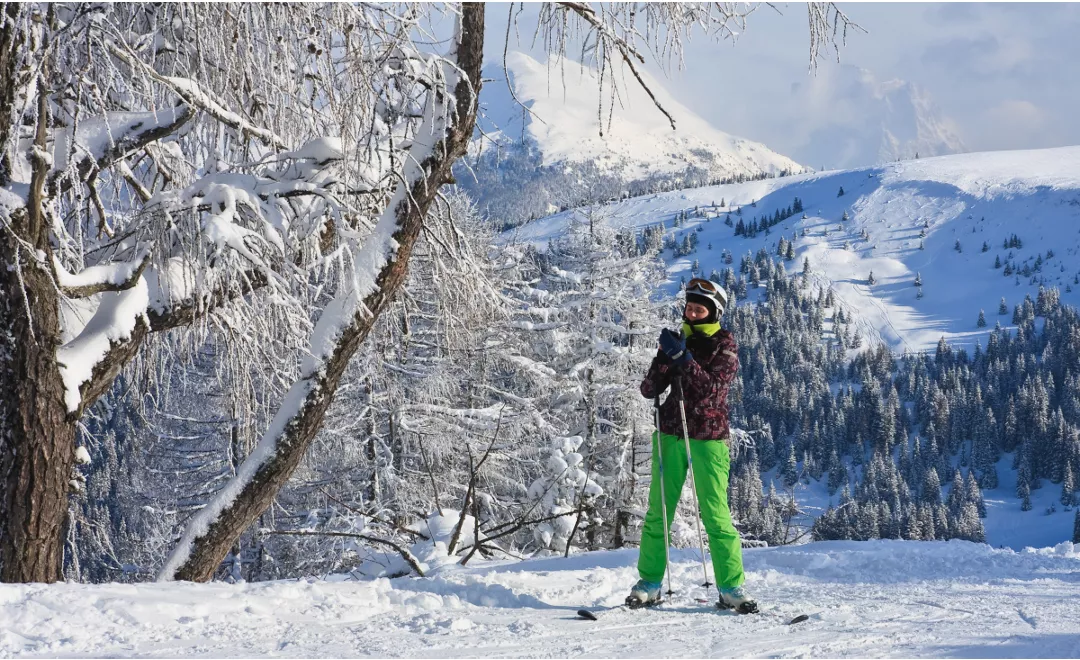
[(709, 289), (705, 286)]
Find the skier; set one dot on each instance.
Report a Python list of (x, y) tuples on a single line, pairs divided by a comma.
[(701, 362)]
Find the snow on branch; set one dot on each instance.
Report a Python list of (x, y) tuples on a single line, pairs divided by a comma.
[(193, 94), (115, 320), (114, 276), (99, 142)]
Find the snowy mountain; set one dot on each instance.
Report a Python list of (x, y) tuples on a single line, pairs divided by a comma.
[(971, 199), (571, 123), (862, 120), (570, 145), (870, 599)]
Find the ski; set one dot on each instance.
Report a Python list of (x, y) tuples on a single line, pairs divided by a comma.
[(594, 615), (798, 619)]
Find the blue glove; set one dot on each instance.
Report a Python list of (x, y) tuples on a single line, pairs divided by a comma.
[(674, 346)]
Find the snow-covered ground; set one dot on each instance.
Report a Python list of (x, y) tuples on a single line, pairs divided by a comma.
[(869, 599), (973, 198)]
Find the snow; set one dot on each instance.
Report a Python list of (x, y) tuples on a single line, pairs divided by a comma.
[(864, 599), (12, 198), (114, 273), (1006, 525), (565, 122), (320, 150), (96, 135), (82, 457), (970, 197), (114, 320)]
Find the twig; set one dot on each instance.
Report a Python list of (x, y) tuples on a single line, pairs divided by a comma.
[(373, 516), (628, 53), (472, 484), (404, 552), (427, 466)]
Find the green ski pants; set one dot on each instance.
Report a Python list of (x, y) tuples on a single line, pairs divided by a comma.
[(712, 462)]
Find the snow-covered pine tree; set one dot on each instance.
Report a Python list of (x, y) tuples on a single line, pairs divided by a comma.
[(598, 323)]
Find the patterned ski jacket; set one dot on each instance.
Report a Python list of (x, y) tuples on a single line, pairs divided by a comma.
[(705, 379)]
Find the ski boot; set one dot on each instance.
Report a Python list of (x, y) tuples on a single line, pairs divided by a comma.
[(736, 598), (644, 594)]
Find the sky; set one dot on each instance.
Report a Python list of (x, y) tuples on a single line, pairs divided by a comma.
[(985, 77)]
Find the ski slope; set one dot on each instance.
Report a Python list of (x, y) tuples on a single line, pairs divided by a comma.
[(869, 599), (970, 197)]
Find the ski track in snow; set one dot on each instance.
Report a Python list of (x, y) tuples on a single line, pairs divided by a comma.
[(868, 599)]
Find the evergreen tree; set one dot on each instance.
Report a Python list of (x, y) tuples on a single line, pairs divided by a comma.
[(957, 246), (981, 323), (973, 494), (1076, 527), (957, 493), (1068, 485), (918, 279), (791, 467), (997, 261), (931, 490), (838, 475), (1003, 308), (970, 525), (841, 192)]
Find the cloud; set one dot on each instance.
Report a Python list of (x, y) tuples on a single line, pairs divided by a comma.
[(984, 56), (1017, 124), (1015, 113)]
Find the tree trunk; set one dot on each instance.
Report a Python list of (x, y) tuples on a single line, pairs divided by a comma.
[(210, 546), (37, 449)]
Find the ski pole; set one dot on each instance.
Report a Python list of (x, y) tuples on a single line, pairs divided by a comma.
[(663, 495), (693, 485)]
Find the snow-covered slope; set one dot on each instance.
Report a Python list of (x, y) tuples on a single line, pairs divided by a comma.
[(566, 122), (868, 599), (970, 198)]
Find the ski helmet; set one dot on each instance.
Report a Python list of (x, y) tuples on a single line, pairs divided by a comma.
[(707, 293)]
